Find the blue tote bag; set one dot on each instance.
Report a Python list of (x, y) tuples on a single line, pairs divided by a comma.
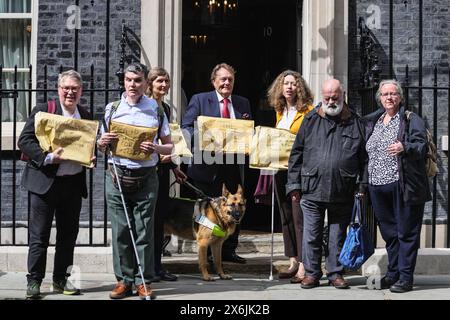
[(358, 246)]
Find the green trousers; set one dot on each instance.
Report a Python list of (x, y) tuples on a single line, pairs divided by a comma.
[(141, 207)]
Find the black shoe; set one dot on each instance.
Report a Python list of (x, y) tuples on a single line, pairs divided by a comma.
[(233, 257), (386, 282), (66, 287), (155, 278), (33, 290), (401, 287), (167, 276)]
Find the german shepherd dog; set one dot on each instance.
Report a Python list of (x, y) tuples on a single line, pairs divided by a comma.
[(226, 212)]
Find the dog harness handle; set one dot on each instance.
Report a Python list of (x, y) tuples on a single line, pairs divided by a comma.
[(204, 221)]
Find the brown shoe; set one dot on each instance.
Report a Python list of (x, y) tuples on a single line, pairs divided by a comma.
[(288, 274), (339, 283), (297, 279), (121, 291), (140, 288), (310, 282)]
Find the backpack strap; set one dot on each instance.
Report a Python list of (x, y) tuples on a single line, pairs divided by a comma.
[(51, 106), (160, 111), (114, 107), (408, 114)]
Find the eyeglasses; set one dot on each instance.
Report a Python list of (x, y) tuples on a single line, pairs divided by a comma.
[(68, 89), (387, 94)]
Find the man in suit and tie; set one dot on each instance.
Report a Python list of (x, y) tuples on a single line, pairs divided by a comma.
[(56, 187), (209, 178)]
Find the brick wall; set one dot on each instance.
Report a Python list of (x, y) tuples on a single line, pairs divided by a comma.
[(436, 38), (55, 47), (56, 41), (436, 49)]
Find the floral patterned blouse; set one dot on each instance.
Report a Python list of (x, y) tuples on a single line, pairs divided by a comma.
[(383, 168)]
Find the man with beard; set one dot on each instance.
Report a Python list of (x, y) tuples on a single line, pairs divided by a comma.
[(326, 164)]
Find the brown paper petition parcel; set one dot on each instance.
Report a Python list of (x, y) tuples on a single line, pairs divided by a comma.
[(129, 140), (180, 146), (225, 135), (77, 137), (271, 148)]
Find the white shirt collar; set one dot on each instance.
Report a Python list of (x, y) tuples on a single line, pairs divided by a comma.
[(66, 113), (220, 98)]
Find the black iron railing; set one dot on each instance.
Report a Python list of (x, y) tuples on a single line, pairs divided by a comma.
[(14, 202), (419, 98)]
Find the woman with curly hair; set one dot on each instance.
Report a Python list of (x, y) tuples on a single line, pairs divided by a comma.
[(292, 99)]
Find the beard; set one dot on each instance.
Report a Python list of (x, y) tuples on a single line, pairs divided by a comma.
[(332, 110)]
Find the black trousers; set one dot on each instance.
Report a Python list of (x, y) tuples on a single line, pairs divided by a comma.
[(62, 201), (400, 227), (291, 218), (228, 174), (160, 212)]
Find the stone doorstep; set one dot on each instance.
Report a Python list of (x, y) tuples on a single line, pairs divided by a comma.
[(430, 261), (99, 260), (249, 241), (256, 247)]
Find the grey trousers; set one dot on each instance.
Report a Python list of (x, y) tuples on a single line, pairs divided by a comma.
[(339, 215)]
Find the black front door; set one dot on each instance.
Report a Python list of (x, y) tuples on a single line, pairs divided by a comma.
[(259, 39)]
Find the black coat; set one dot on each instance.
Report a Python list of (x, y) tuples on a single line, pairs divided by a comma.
[(36, 177), (328, 158), (164, 168), (412, 134)]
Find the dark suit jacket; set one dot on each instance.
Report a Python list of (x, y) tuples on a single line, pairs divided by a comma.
[(36, 177), (207, 104)]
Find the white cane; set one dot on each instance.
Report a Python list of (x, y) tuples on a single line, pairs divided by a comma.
[(271, 246), (147, 297)]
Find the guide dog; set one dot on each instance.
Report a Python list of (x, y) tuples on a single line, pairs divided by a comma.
[(226, 212)]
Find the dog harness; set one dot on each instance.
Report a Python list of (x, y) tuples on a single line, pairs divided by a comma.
[(200, 218), (204, 221)]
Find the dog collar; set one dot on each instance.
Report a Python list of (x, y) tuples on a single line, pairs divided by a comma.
[(204, 221)]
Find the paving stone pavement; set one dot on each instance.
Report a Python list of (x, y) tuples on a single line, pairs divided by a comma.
[(242, 287)]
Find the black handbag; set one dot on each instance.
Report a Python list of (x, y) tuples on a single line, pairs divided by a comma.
[(358, 246)]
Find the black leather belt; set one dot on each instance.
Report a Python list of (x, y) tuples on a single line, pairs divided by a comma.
[(123, 170)]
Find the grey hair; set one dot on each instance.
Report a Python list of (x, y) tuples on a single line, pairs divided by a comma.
[(137, 68), (70, 74), (389, 81), (222, 65)]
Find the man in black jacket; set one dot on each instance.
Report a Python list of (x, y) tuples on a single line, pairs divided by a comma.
[(327, 158), (56, 187)]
